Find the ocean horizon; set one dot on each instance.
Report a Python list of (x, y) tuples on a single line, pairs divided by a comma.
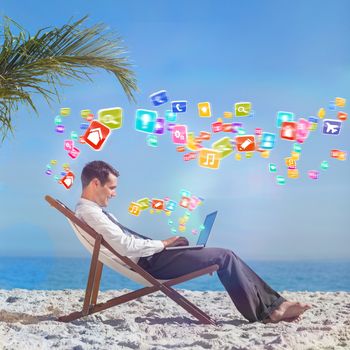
[(56, 273)]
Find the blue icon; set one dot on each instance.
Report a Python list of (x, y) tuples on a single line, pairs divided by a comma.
[(332, 106), (284, 117), (312, 120), (331, 127), (267, 140), (178, 106), (145, 120), (159, 98), (171, 205), (170, 116)]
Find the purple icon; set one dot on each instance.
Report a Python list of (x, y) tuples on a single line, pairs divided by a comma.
[(60, 129), (236, 126), (331, 127), (159, 128), (48, 172), (170, 126)]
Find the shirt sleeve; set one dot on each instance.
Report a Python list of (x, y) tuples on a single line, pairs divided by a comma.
[(127, 245)]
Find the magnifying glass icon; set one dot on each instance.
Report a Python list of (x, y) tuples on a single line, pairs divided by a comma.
[(242, 109)]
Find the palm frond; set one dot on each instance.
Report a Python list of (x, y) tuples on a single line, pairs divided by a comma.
[(39, 63)]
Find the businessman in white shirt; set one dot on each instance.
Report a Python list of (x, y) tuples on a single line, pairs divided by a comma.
[(254, 299)]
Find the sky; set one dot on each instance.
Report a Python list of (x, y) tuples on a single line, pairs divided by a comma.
[(279, 55)]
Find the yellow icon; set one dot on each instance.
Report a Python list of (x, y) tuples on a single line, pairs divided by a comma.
[(228, 115), (219, 120), (293, 173), (209, 158), (191, 144), (182, 228), (313, 126), (342, 155), (321, 113), (238, 156), (340, 101), (134, 209), (143, 203), (53, 161), (290, 162), (85, 112), (65, 112), (249, 154), (204, 109), (151, 211), (295, 155), (167, 212), (265, 154)]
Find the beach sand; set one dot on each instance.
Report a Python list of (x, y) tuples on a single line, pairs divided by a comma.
[(28, 321)]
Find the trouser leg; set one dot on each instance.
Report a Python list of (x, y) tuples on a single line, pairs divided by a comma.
[(253, 297)]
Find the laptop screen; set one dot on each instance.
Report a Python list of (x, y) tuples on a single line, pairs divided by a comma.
[(208, 224)]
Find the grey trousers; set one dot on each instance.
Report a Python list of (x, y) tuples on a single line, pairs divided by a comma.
[(253, 297)]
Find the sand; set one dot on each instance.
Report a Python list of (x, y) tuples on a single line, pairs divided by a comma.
[(28, 321)]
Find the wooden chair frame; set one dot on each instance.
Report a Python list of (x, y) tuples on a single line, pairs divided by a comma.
[(90, 305)]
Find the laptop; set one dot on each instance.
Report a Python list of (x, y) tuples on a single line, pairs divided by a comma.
[(203, 236)]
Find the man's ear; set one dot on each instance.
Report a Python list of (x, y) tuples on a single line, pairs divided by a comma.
[(95, 182)]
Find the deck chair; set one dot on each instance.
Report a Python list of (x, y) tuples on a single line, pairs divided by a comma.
[(103, 253)]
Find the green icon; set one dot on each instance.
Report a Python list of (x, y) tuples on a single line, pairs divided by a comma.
[(152, 140), (144, 203), (243, 109), (173, 230), (296, 147), (111, 117), (74, 135), (313, 126), (170, 116), (249, 154), (187, 214), (324, 165), (272, 168), (241, 131), (58, 120), (280, 180), (170, 222), (224, 146), (201, 227)]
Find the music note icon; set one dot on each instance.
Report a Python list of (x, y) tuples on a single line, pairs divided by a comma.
[(209, 158), (134, 209)]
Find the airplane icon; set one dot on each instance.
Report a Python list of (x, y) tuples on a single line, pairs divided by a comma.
[(331, 127), (179, 106)]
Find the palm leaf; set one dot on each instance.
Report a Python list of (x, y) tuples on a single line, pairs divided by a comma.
[(38, 64)]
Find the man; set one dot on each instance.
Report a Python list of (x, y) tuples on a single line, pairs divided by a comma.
[(254, 299)]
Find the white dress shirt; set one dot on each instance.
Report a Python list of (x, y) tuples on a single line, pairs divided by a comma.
[(124, 243)]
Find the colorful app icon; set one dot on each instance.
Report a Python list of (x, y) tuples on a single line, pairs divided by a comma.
[(48, 172), (74, 135), (284, 117), (81, 139), (53, 162), (68, 145), (342, 155), (67, 180), (143, 203), (158, 98), (332, 106), (90, 117), (238, 156), (227, 127), (157, 204), (194, 202), (171, 205), (65, 112), (179, 134), (180, 149), (313, 174), (74, 153), (342, 116), (293, 173), (324, 165), (184, 202), (224, 146), (280, 180), (185, 193), (59, 129), (331, 126), (258, 131), (179, 106), (84, 126), (190, 156), (209, 158), (267, 140), (204, 109), (272, 168), (191, 143), (228, 115), (245, 143), (295, 155), (204, 135), (134, 209), (96, 135), (290, 162), (216, 126), (170, 116), (58, 120), (145, 120), (335, 153), (249, 155), (296, 147), (85, 112), (170, 126), (236, 127), (321, 113), (265, 154), (288, 131), (303, 127), (111, 117), (160, 126), (340, 101), (243, 109), (152, 140)]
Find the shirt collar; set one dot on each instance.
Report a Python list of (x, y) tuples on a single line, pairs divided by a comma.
[(84, 201)]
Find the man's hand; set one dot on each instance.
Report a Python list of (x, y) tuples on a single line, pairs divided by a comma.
[(175, 241)]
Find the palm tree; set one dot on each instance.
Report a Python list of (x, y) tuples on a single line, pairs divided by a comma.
[(37, 64)]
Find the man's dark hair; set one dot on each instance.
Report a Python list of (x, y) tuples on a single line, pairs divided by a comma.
[(97, 169)]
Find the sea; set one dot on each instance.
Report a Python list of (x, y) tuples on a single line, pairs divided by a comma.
[(57, 273)]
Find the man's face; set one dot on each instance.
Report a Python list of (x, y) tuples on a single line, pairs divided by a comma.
[(107, 191)]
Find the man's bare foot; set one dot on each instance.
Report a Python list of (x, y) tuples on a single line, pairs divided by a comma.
[(292, 319), (288, 311)]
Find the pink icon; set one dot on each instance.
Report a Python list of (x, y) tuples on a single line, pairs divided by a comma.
[(303, 127), (179, 133), (68, 145), (190, 156), (258, 131), (74, 153), (216, 127), (313, 174)]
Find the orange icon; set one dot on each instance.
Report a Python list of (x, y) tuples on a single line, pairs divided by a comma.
[(209, 158), (157, 204), (288, 131), (67, 180), (342, 116), (340, 101), (290, 162), (96, 135), (228, 114), (293, 173), (245, 143), (205, 135), (184, 202), (134, 209)]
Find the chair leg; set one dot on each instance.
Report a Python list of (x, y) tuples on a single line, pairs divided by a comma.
[(97, 283)]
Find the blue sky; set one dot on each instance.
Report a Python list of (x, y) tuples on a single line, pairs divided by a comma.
[(279, 55)]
